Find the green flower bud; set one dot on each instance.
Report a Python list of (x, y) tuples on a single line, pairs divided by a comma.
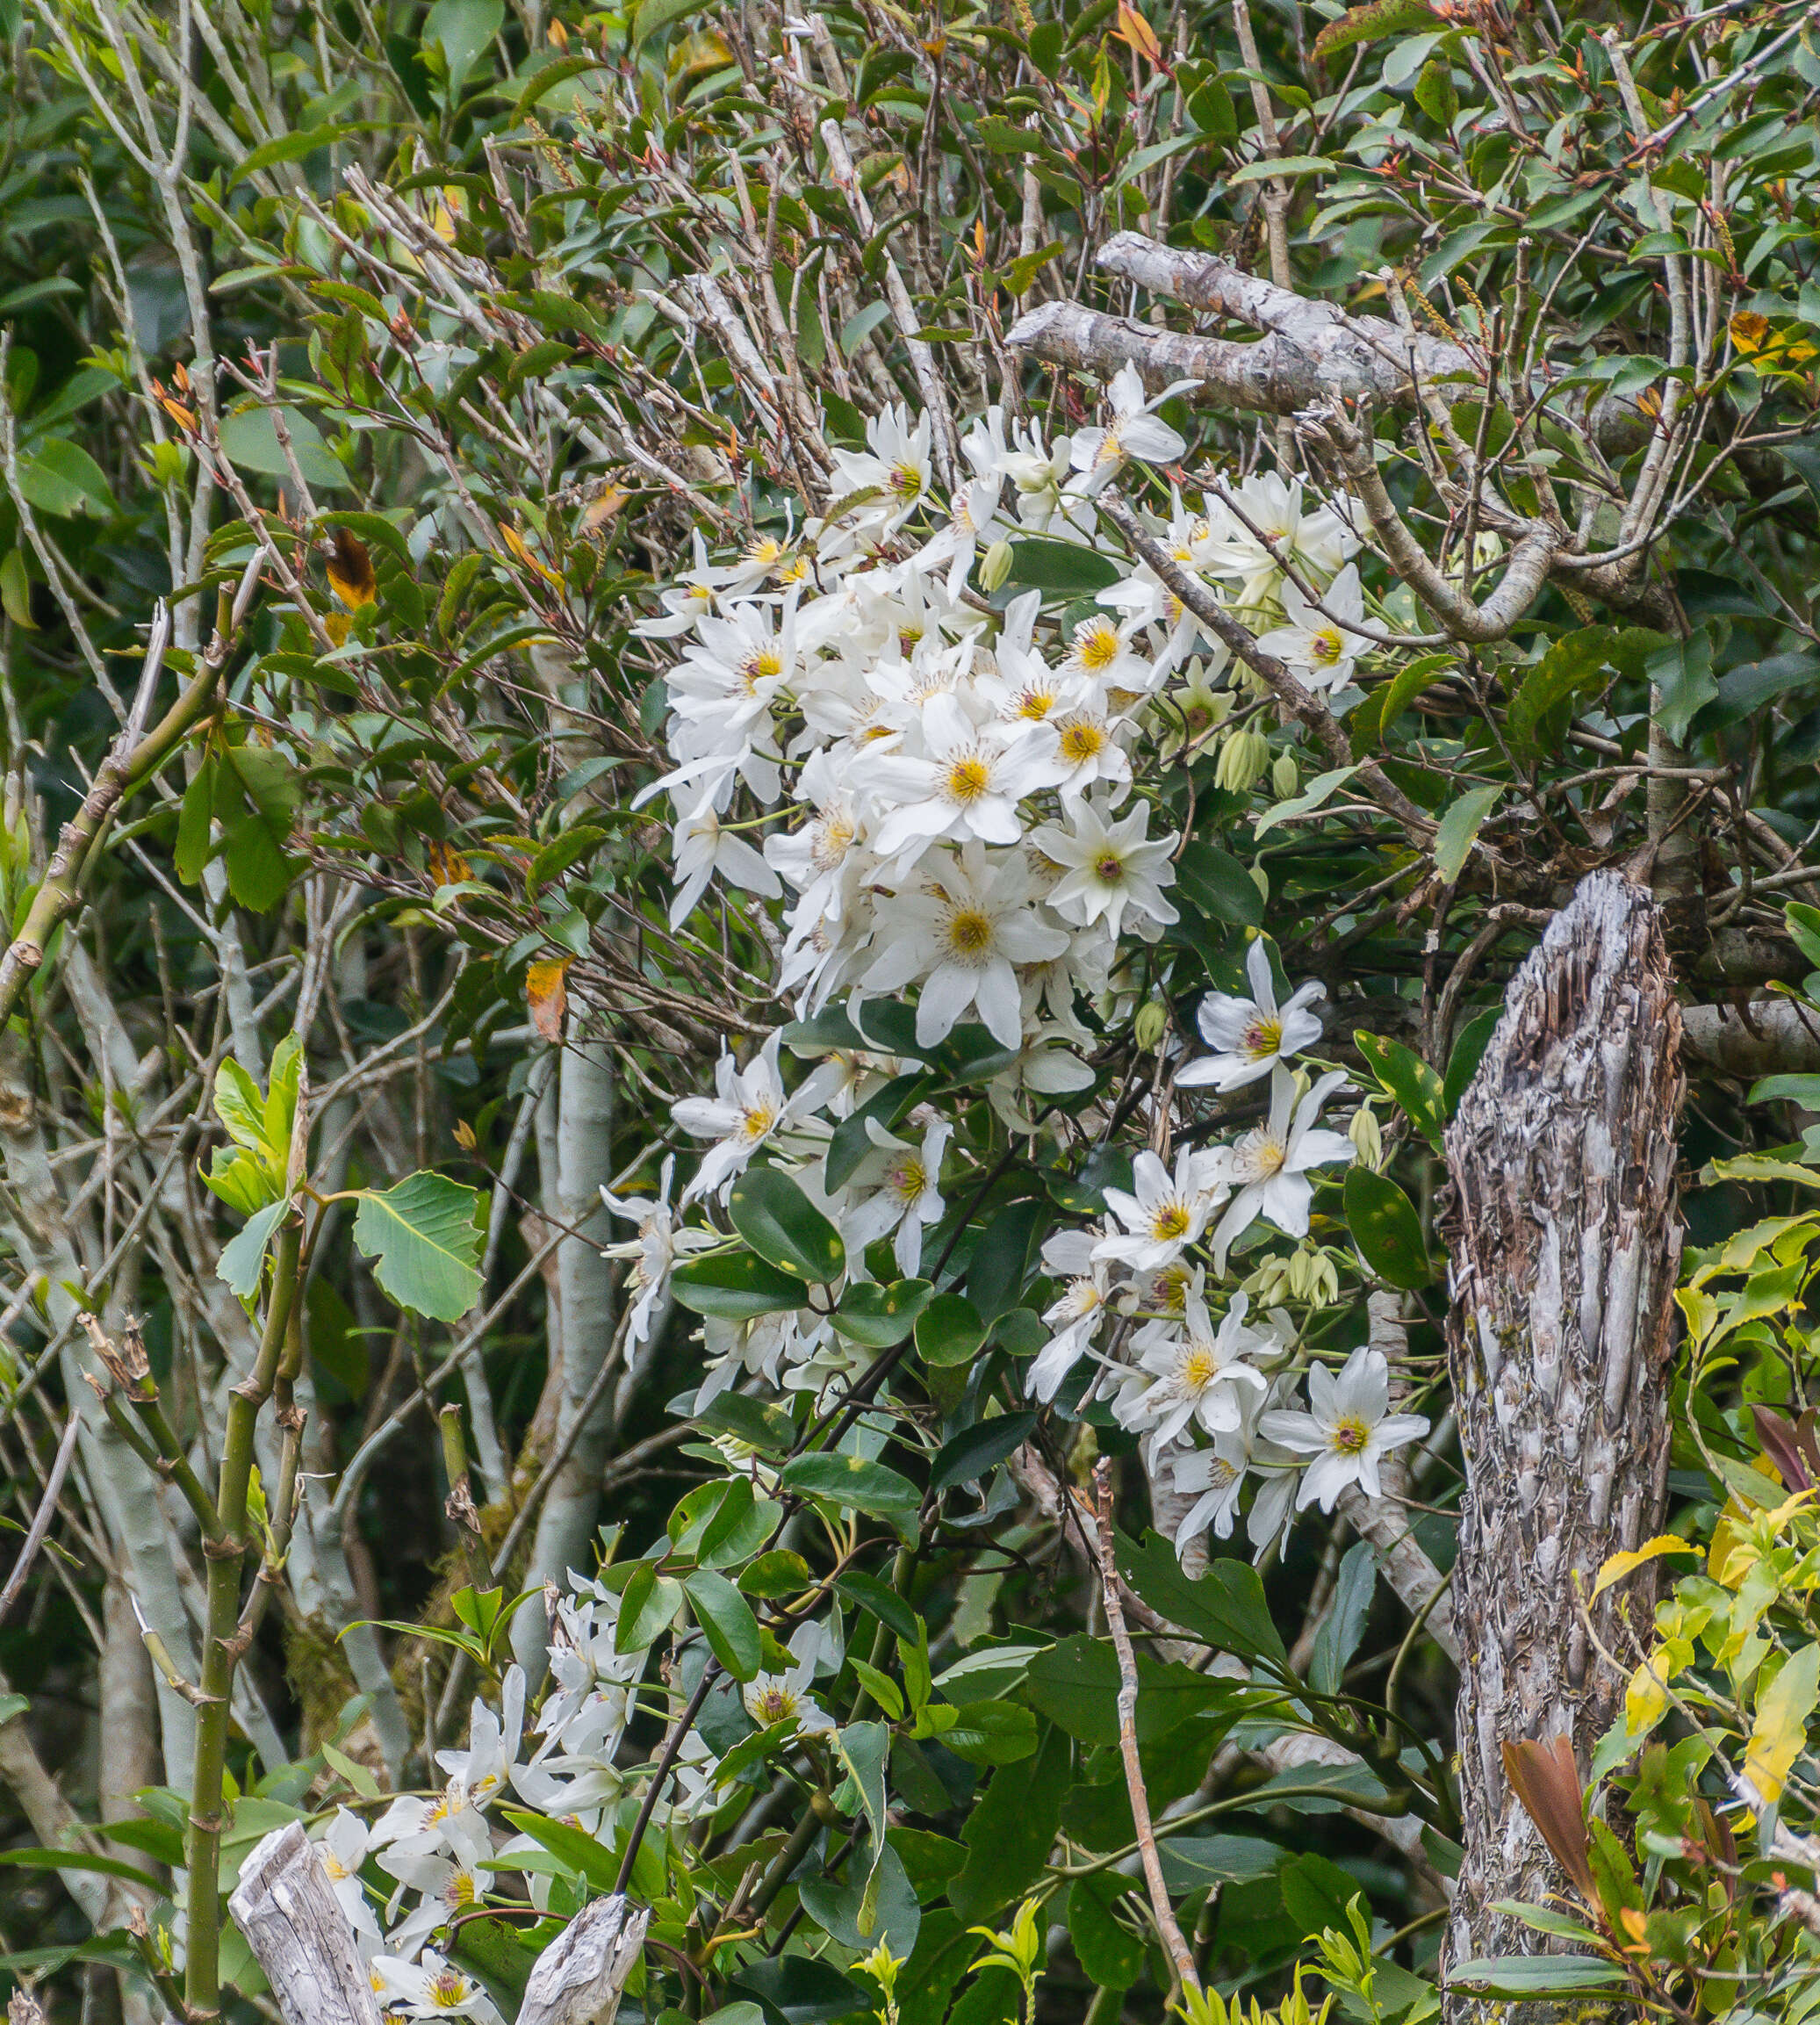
[(1285, 776), (996, 565), (1366, 1137), (1243, 756), (1151, 1024)]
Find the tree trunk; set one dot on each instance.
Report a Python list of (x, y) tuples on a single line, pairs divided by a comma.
[(1566, 1244), (583, 1164)]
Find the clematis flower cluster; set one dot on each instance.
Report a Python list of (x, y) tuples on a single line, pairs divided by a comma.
[(942, 802)]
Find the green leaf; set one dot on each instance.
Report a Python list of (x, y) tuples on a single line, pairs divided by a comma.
[(726, 1618), (1225, 1606), (1535, 1975), (1112, 1956), (1067, 568), (875, 1317), (576, 1848), (357, 1775), (735, 1286), (461, 29), (1409, 1081), (249, 438), (976, 1450), (1000, 1259), (61, 478), (780, 1573), (773, 1214), (652, 15), (1468, 1053), (1010, 1832), (1372, 24), (1384, 1224), (424, 1236), (949, 1331), (853, 1484), (1681, 671), (991, 1732), (1576, 663), (1802, 1090), (647, 1609), (16, 590), (884, 1603), (195, 836), (73, 1860), (768, 1429), (1406, 685), (1459, 829), (1191, 1860), (1311, 797), (1435, 91), (1218, 883), (1344, 1625), (1803, 922), (242, 1259)]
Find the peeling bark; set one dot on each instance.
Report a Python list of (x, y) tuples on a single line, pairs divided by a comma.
[(1565, 1243)]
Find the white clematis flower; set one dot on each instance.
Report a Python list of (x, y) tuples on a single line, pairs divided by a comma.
[(1250, 1036), (1164, 1214), (661, 1241), (963, 935), (1349, 1429), (905, 1181), (1108, 869), (1270, 1164), (431, 1988), (747, 1107), (1195, 1370), (1135, 431), (1319, 646)]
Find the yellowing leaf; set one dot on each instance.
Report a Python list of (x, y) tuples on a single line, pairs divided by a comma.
[(464, 1135), (602, 509), (350, 571), (1619, 1565), (447, 867), (1135, 30), (1646, 1698), (516, 541), (547, 996), (1781, 1734), (337, 626), (1750, 331)]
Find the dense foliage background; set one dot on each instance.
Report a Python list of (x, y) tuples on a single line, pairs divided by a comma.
[(412, 363)]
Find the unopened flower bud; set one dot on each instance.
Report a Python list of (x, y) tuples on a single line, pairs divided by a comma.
[(1301, 1272), (1285, 775), (1324, 1288), (1260, 878), (1151, 1024), (1243, 756), (995, 565), (1269, 1284), (1367, 1139)]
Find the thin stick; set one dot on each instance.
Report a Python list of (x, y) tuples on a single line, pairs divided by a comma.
[(41, 1520), (1161, 1910)]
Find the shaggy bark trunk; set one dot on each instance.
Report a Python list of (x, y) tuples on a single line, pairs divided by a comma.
[(1565, 1244)]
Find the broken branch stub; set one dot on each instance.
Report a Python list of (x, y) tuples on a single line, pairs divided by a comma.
[(1566, 1244), (304, 1942), (300, 1935)]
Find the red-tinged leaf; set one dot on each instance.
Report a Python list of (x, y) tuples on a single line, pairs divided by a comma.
[(1546, 1780)]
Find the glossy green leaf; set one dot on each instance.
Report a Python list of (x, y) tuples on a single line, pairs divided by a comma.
[(1384, 1224), (773, 1214), (423, 1235), (1409, 1081), (727, 1621), (735, 1286), (875, 1317), (949, 1331), (853, 1484)]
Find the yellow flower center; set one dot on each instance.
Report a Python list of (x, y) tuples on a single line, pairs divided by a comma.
[(969, 779), (970, 931), (1263, 1037), (1350, 1437), (1096, 644), (765, 663), (1083, 738), (773, 1705), (833, 836), (908, 1179), (1109, 870), (448, 1990), (905, 480), (1035, 704), (461, 1890), (1199, 1368), (1325, 647), (756, 1121), (333, 1864), (1260, 1154), (1171, 1221), (766, 549)]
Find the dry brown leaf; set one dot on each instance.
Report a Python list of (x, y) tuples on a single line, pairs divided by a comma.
[(547, 996)]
